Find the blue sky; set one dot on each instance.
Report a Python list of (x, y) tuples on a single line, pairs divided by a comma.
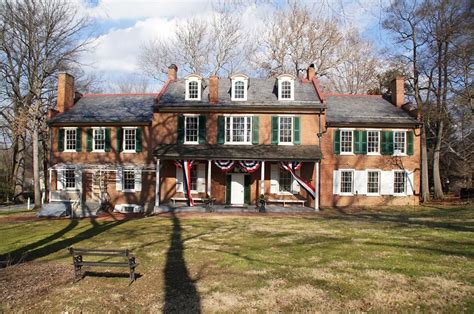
[(123, 25)]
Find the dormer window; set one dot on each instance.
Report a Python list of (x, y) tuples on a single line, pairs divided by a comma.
[(193, 87), (286, 87), (239, 87)]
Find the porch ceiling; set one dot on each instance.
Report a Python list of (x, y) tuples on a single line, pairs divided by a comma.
[(239, 152)]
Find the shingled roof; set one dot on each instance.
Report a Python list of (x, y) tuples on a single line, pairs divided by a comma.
[(364, 109), (113, 108)]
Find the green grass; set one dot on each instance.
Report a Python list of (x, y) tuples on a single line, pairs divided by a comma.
[(392, 259)]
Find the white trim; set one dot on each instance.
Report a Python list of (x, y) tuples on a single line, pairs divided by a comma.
[(197, 124), (134, 171), (367, 181), (249, 142), (378, 153), (65, 140), (235, 80), (352, 142), (405, 143), (292, 129), (123, 139), (282, 79), (93, 139), (405, 183), (340, 182), (199, 82)]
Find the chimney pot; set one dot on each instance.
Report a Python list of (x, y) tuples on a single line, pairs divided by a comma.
[(65, 100), (397, 88), (311, 72), (213, 89), (172, 72)]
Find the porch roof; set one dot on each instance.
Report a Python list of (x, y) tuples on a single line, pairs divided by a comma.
[(239, 152)]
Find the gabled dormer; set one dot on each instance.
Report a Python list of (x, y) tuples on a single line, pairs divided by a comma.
[(239, 87), (193, 85), (286, 87)]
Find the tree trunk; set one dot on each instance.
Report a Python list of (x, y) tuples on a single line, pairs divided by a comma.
[(18, 169), (437, 184), (425, 186), (45, 151), (36, 170)]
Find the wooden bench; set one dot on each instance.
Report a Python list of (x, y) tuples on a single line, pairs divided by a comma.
[(78, 260), (301, 202), (185, 199)]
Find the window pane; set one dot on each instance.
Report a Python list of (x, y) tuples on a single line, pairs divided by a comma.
[(70, 178), (286, 90), (286, 129), (129, 139), (99, 139), (346, 141), (285, 181), (399, 182), (373, 182), (194, 178), (129, 179), (70, 139), (399, 142), (346, 182), (239, 88), (193, 90), (238, 129), (191, 129), (373, 141)]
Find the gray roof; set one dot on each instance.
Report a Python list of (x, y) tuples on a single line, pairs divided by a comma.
[(118, 109), (364, 109), (239, 152), (260, 92)]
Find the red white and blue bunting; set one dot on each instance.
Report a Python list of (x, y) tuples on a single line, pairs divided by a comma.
[(291, 167), (186, 165), (249, 166), (225, 165)]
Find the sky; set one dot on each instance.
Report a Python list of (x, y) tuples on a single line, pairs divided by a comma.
[(122, 26)]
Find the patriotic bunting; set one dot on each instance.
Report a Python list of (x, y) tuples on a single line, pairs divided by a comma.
[(225, 165), (186, 165), (249, 166), (292, 167)]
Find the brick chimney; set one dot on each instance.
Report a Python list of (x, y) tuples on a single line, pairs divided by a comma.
[(172, 72), (397, 88), (310, 72), (66, 93), (213, 89)]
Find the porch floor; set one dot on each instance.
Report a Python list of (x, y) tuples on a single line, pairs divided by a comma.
[(165, 208)]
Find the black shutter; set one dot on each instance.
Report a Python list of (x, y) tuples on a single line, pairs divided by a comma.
[(202, 129)]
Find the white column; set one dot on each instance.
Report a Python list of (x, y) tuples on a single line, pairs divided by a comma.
[(157, 184), (262, 178), (208, 186), (50, 183), (316, 186)]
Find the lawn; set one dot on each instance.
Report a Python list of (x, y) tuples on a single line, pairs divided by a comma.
[(407, 259)]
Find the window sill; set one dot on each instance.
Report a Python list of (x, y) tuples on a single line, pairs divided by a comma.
[(373, 194), (191, 143), (400, 155), (346, 194), (374, 154), (399, 194), (129, 151), (286, 144), (128, 191), (99, 151), (346, 154), (237, 143), (69, 151)]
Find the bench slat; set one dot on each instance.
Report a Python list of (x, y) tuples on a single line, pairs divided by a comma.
[(111, 264), (101, 254)]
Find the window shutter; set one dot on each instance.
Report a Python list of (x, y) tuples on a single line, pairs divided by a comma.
[(410, 143), (363, 144), (336, 182), (60, 180), (119, 139), (202, 129), (247, 189), (255, 130), (296, 130), (386, 182), (387, 142), (138, 180), (119, 179), (357, 142), (410, 183), (275, 137), (337, 141), (89, 139), (220, 129), (179, 180), (78, 139), (228, 190), (60, 140), (107, 139), (360, 182), (274, 178), (78, 178), (201, 178), (138, 140), (180, 129), (295, 186)]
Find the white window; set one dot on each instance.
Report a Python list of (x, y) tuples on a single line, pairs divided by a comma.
[(99, 139), (399, 142), (399, 182), (191, 129), (129, 180), (286, 130), (239, 89), (347, 182), (193, 88), (346, 141), (70, 179), (129, 139), (373, 182), (285, 181), (286, 88), (373, 142), (238, 129), (70, 135)]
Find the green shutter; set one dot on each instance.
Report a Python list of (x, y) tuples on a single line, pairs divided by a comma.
[(138, 140), (247, 189), (255, 129), (275, 137), (364, 142), (89, 139), (296, 130), (410, 143), (119, 134), (107, 139), (60, 140), (360, 142), (228, 191), (337, 141), (387, 142), (78, 139), (202, 129), (180, 128), (220, 129)]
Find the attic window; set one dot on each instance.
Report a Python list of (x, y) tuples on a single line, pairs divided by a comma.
[(286, 88), (193, 88), (239, 87)]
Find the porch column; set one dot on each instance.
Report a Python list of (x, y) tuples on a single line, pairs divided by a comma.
[(316, 186), (157, 184), (262, 178), (209, 166), (50, 184)]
